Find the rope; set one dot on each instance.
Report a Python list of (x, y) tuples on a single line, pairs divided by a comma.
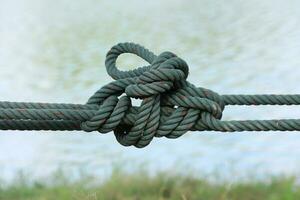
[(170, 106)]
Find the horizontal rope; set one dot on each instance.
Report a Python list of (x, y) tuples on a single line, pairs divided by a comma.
[(170, 106)]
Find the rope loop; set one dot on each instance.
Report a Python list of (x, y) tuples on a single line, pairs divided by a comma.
[(121, 48)]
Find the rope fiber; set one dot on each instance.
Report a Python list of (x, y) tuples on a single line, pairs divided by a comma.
[(170, 106)]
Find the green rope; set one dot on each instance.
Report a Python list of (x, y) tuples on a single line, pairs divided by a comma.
[(170, 106)]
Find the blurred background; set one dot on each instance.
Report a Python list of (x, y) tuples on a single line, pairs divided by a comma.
[(54, 51)]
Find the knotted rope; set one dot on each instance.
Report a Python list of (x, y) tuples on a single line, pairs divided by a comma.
[(170, 106)]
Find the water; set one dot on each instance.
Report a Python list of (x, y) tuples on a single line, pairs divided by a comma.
[(54, 52)]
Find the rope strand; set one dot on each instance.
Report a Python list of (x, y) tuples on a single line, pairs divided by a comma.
[(170, 106)]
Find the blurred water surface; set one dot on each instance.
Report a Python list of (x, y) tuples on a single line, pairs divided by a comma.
[(54, 52)]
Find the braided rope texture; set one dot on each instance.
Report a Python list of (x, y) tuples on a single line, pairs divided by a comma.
[(170, 105)]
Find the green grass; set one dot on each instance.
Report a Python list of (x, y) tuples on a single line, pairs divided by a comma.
[(140, 186)]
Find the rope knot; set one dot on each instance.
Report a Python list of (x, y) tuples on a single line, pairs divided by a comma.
[(171, 106)]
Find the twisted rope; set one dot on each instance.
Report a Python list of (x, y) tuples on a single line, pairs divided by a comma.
[(170, 106)]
